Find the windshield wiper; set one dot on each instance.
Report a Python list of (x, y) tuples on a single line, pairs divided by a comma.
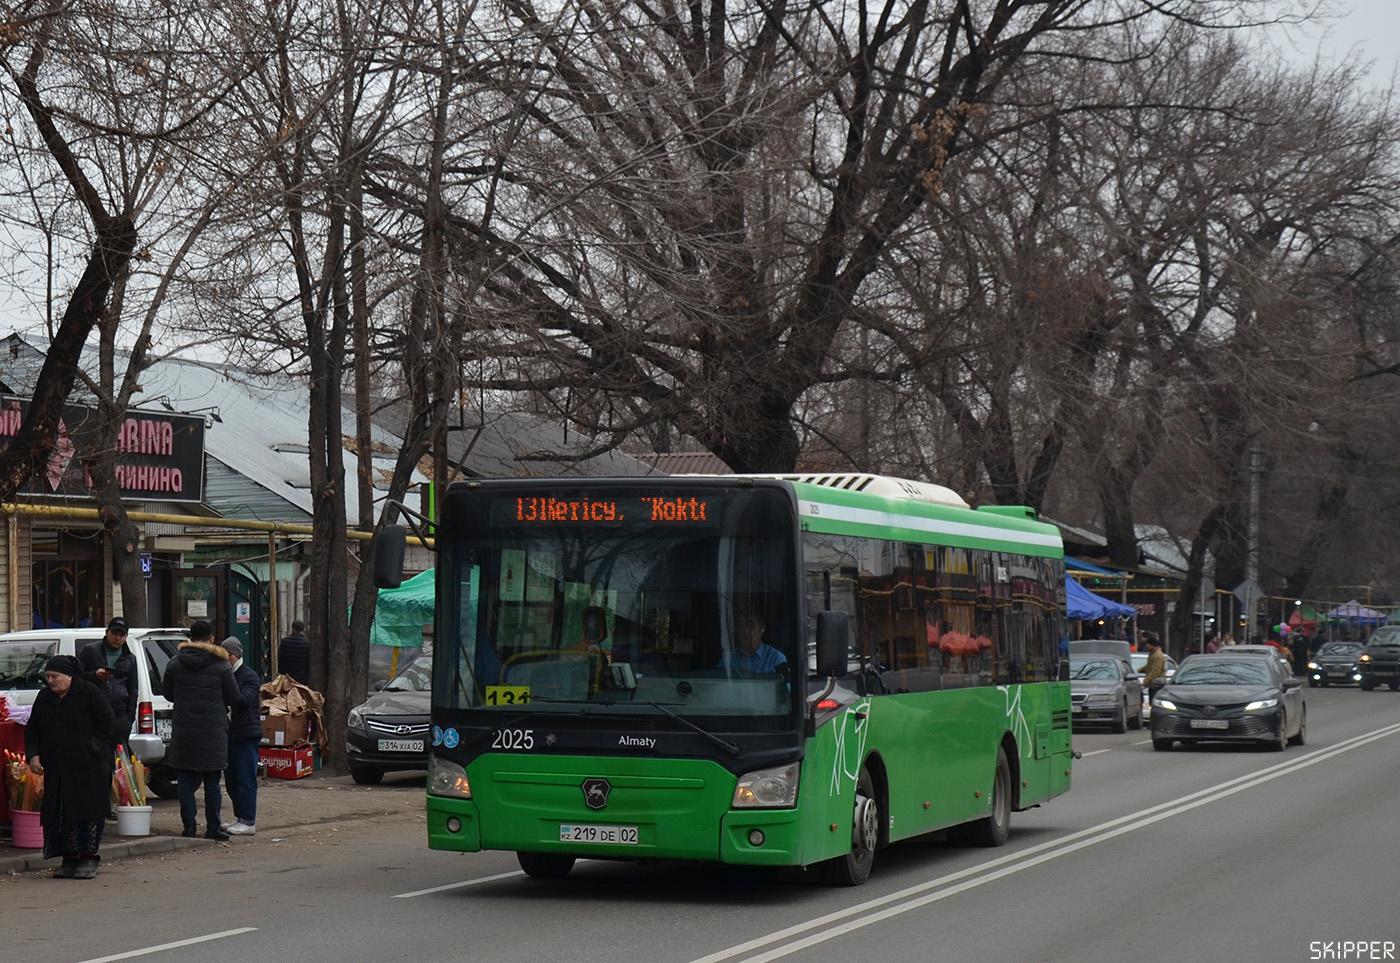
[(725, 744)]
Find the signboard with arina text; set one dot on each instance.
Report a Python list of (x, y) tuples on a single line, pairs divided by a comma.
[(160, 455)]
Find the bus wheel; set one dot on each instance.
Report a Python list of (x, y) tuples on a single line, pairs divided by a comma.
[(853, 868), (545, 865), (993, 830)]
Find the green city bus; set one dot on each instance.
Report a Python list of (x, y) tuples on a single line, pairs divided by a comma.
[(766, 670)]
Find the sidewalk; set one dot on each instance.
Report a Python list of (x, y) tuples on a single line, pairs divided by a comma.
[(284, 807)]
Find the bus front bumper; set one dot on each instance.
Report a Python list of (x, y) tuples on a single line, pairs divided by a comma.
[(752, 837)]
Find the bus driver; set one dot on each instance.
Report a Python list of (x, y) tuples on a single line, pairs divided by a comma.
[(751, 653)]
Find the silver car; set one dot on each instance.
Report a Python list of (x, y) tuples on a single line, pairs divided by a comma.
[(1105, 689)]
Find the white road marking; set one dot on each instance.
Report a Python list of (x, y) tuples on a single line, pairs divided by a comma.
[(913, 897), (464, 883), (130, 954)]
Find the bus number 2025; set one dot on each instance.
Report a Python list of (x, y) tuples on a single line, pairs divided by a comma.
[(513, 739)]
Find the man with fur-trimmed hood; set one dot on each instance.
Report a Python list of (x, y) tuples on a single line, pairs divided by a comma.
[(199, 682)]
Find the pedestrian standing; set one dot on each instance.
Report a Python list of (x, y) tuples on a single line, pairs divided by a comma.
[(108, 664), (68, 741), (244, 734), (1154, 672), (294, 654), (199, 682)]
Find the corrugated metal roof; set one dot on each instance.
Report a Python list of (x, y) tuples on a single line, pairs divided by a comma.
[(512, 444), (256, 434), (687, 463)]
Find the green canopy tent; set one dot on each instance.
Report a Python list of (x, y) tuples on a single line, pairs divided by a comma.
[(400, 614)]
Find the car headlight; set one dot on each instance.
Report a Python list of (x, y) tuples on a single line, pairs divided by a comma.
[(774, 788), (1365, 658), (1261, 704), (1102, 697), (1160, 703), (355, 720), (447, 778), (1313, 665)]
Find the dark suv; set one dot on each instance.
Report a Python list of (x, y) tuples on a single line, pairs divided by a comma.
[(1379, 662)]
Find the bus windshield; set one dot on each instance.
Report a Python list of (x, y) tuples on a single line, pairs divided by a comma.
[(621, 600)]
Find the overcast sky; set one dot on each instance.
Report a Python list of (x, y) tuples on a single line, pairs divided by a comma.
[(1369, 29)]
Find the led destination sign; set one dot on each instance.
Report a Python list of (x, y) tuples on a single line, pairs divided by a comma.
[(646, 509)]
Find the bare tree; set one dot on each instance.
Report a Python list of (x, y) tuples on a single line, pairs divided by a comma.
[(719, 184)]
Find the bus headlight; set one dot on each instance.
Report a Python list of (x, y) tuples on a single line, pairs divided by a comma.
[(446, 778), (774, 788)]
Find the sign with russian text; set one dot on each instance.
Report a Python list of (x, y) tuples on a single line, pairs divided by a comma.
[(160, 455)]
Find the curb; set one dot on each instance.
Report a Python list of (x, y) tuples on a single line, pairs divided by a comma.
[(32, 860), (29, 860)]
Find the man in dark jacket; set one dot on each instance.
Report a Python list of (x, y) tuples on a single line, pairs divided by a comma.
[(294, 654), (244, 734), (109, 665), (199, 682)]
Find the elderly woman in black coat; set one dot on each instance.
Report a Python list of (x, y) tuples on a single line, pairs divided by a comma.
[(68, 741)]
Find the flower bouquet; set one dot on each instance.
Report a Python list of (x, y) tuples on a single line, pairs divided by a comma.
[(128, 779), (25, 788)]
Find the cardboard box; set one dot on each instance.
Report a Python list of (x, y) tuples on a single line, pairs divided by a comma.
[(292, 762), (285, 730)]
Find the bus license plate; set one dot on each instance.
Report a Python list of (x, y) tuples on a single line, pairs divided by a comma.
[(1210, 723), (611, 835), (400, 745)]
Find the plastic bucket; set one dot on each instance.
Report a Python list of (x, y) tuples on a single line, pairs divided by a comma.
[(133, 820), (26, 831)]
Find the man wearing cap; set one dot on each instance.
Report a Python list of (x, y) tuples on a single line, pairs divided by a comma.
[(244, 734), (108, 665)]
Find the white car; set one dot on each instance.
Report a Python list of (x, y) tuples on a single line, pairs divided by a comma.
[(23, 656)]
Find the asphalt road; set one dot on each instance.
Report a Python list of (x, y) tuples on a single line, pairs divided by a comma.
[(1193, 855)]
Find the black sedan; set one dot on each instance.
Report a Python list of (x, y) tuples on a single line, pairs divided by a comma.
[(1335, 664), (1222, 697), (389, 732), (1380, 661), (1105, 690)]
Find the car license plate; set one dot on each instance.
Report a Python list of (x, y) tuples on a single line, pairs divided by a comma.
[(586, 833), (164, 727), (400, 745), (1210, 723)]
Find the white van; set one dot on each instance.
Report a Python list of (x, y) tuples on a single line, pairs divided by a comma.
[(24, 654)]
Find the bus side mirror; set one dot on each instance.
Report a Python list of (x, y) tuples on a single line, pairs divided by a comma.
[(390, 543), (833, 643)]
